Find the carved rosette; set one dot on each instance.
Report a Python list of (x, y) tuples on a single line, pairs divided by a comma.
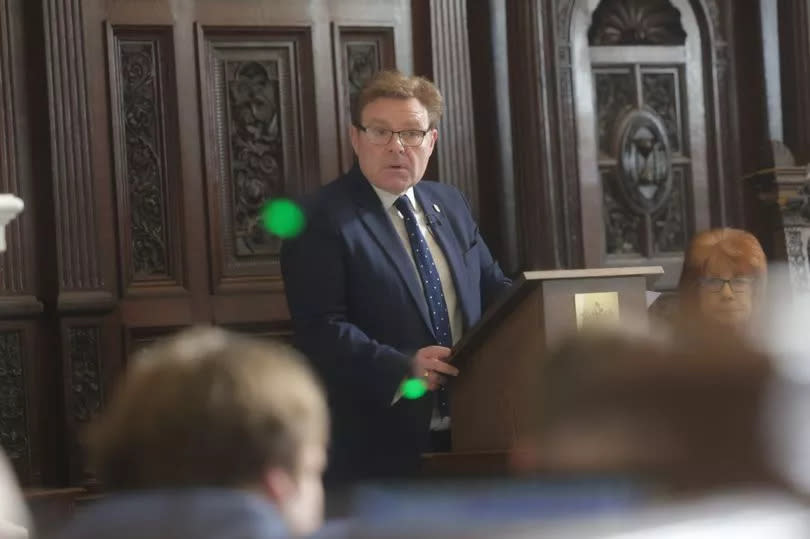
[(636, 22)]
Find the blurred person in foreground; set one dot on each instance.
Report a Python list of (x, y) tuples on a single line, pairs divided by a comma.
[(687, 421), (210, 435), (15, 520), (722, 282)]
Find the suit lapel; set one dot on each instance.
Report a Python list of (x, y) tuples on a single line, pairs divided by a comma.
[(443, 232), (379, 225)]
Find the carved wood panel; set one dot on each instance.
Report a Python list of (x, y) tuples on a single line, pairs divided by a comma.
[(14, 433), (144, 107), (360, 52), (258, 102), (84, 390), (641, 140)]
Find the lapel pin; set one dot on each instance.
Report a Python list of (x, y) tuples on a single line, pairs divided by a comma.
[(436, 207)]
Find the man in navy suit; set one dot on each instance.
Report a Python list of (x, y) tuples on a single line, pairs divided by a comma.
[(389, 273)]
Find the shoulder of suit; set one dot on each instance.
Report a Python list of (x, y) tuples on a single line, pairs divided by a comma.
[(443, 190), (329, 195)]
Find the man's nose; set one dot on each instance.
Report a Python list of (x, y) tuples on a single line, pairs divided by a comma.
[(395, 144), (726, 292)]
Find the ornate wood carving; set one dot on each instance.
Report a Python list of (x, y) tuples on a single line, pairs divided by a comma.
[(145, 150), (615, 94), (85, 373), (76, 241), (661, 93), (451, 72), (259, 103), (623, 227), (14, 437), (797, 247), (670, 223), (644, 161), (361, 52), (636, 22)]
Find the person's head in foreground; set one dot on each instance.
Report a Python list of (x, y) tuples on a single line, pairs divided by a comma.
[(678, 418), (723, 277), (208, 409)]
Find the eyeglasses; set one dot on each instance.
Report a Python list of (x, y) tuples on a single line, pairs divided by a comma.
[(382, 136), (737, 284)]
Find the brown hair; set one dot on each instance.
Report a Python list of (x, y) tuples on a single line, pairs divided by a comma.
[(739, 248), (396, 85), (208, 408)]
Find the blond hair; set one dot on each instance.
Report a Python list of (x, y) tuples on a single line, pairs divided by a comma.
[(208, 408), (396, 85)]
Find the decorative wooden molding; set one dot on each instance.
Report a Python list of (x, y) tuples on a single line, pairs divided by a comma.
[(451, 72), (146, 153), (636, 22), (75, 215), (258, 104), (94, 301)]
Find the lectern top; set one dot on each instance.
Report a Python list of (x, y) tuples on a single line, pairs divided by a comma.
[(594, 273)]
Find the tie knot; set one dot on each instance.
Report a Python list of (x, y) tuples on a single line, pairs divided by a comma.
[(403, 204)]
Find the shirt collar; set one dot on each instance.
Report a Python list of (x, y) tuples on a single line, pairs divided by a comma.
[(387, 199)]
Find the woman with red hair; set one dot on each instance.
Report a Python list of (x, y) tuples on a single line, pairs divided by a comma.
[(723, 278)]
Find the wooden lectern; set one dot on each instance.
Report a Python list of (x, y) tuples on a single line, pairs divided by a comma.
[(493, 400)]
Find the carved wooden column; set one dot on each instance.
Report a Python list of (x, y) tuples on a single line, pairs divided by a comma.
[(548, 214), (794, 52), (451, 72), (83, 297), (19, 306)]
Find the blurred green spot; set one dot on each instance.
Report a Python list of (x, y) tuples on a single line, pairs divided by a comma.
[(283, 218), (414, 388)]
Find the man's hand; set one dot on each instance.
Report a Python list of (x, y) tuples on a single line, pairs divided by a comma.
[(431, 365)]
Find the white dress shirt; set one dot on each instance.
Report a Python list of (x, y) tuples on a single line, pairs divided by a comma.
[(445, 276)]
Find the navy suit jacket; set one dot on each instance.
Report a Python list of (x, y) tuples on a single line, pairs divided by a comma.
[(359, 314)]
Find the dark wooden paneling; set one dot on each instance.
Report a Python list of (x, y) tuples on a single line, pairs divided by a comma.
[(15, 436), (451, 72), (258, 105), (794, 50), (76, 240), (143, 95), (549, 224)]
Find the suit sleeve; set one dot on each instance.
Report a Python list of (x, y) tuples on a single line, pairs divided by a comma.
[(314, 270)]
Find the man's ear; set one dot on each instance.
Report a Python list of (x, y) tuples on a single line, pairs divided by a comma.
[(434, 136), (279, 485), (354, 136)]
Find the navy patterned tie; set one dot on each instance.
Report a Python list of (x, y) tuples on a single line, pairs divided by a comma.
[(432, 285)]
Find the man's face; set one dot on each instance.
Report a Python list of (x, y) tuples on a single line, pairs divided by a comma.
[(302, 508), (393, 167), (728, 303)]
